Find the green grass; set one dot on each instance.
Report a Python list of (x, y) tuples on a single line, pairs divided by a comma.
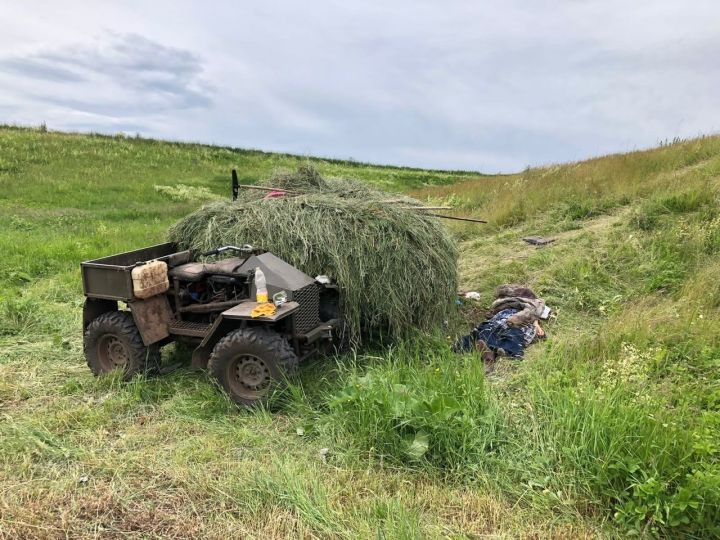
[(607, 428)]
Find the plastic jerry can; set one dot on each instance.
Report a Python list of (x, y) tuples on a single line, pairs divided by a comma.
[(150, 279)]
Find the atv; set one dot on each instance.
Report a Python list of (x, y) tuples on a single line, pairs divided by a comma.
[(138, 301)]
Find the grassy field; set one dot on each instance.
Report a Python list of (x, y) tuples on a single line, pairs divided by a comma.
[(607, 428)]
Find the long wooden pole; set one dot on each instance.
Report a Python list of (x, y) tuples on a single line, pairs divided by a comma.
[(443, 216), (472, 220), (426, 207), (264, 188)]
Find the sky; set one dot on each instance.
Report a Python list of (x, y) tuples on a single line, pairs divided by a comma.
[(491, 86)]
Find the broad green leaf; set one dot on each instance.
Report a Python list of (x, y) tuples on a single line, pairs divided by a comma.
[(419, 445)]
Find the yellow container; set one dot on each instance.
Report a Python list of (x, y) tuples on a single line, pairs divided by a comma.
[(150, 279)]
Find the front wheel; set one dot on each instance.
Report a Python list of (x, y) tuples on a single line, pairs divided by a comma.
[(250, 363), (112, 342)]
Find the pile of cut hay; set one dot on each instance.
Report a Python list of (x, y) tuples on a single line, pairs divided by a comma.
[(396, 267)]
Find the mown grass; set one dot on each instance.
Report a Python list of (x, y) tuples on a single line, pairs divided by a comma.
[(607, 428)]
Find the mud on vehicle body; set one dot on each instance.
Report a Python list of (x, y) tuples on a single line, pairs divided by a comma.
[(169, 295)]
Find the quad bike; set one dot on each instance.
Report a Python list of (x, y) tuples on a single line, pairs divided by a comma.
[(169, 295)]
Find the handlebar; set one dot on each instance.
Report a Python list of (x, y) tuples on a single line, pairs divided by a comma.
[(247, 248)]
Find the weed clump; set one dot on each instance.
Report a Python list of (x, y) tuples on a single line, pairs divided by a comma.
[(397, 267), (610, 437), (420, 406), (182, 193)]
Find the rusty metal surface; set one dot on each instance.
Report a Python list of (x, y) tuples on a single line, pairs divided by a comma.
[(215, 331), (244, 310), (152, 317), (190, 329), (200, 358), (109, 277), (538, 240), (210, 307)]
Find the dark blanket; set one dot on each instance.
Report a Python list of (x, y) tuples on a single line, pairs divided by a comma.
[(500, 336)]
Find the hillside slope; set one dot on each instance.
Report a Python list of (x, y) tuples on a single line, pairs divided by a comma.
[(622, 401), (609, 426)]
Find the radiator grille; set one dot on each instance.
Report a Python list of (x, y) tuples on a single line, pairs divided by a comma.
[(308, 316)]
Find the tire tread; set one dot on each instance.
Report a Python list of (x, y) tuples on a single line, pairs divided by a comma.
[(276, 346), (121, 323)]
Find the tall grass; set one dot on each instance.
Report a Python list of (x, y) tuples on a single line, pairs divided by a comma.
[(580, 433), (584, 189), (610, 439), (621, 421), (416, 406), (607, 428)]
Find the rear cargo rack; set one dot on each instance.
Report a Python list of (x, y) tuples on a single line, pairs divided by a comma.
[(110, 277)]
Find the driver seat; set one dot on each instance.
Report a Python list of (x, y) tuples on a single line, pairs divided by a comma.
[(196, 271)]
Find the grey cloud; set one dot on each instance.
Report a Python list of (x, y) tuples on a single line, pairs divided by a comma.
[(38, 68), (142, 63), (126, 76), (493, 85)]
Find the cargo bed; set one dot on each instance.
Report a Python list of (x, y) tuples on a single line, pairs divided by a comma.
[(110, 277)]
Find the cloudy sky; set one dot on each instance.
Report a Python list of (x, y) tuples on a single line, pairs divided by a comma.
[(479, 85)]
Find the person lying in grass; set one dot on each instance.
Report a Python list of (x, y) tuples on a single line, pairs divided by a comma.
[(512, 324)]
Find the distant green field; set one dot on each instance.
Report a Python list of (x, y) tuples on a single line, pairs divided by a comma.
[(607, 428)]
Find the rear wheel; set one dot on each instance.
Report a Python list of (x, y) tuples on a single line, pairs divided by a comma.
[(112, 342), (250, 363)]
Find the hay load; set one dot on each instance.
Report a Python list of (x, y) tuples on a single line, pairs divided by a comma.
[(396, 267)]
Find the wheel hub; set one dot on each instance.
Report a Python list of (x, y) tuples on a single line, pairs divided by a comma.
[(116, 352), (252, 373), (113, 353)]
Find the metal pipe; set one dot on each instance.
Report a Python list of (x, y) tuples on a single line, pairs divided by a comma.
[(210, 307)]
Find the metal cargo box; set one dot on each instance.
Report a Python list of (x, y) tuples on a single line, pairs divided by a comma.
[(110, 277)]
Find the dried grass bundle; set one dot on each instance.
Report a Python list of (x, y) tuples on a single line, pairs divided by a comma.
[(396, 267)]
